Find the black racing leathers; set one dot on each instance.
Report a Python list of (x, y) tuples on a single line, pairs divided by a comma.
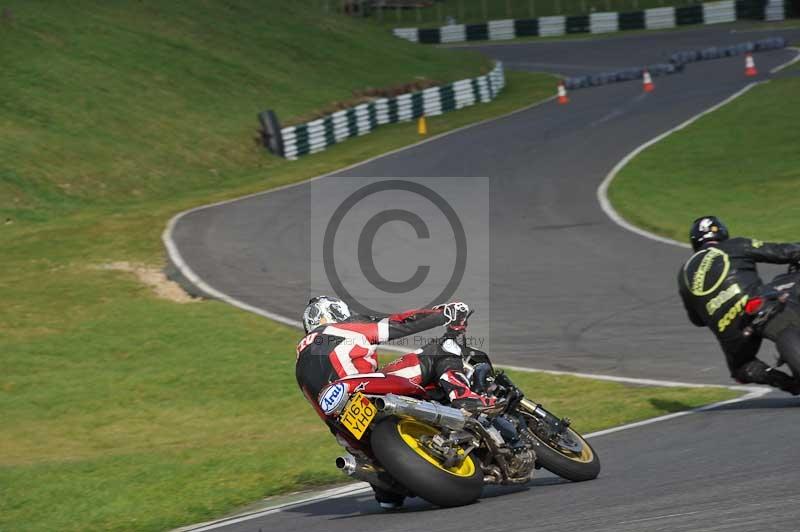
[(715, 284)]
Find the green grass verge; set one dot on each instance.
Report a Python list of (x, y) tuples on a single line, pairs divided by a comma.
[(594, 405), (123, 411), (740, 162), (105, 103), (783, 24)]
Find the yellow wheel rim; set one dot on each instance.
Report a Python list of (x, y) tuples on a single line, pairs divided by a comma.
[(411, 432)]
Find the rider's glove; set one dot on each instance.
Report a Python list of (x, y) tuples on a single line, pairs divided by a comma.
[(456, 315)]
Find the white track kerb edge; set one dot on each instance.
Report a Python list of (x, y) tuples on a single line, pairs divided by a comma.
[(602, 190), (751, 392)]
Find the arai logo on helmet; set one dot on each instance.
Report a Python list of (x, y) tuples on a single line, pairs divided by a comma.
[(333, 397)]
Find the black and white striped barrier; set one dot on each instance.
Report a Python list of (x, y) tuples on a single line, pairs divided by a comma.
[(676, 64), (648, 19), (318, 134), (776, 10)]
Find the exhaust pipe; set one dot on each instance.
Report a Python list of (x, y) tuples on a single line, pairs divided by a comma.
[(347, 464), (355, 468), (427, 411)]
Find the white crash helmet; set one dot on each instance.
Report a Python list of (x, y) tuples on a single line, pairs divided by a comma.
[(324, 309)]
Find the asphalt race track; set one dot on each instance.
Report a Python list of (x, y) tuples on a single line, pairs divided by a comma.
[(570, 290), (709, 472)]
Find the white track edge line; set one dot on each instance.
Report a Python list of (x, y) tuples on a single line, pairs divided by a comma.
[(614, 378), (602, 190), (761, 30), (334, 493), (753, 393), (790, 63)]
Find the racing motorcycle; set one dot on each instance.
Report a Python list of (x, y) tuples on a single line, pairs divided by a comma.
[(402, 439), (774, 308)]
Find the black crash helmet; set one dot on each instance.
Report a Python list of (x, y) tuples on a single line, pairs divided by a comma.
[(707, 229)]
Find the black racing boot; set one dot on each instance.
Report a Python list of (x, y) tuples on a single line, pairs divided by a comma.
[(779, 379), (388, 500), (758, 372)]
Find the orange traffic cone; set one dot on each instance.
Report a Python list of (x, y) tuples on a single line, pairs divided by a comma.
[(647, 82), (750, 66), (562, 93)]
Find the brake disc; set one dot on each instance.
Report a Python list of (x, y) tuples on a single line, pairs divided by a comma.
[(566, 441)]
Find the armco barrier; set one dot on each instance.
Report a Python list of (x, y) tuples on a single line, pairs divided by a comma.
[(578, 24), (719, 12), (604, 22), (776, 10), (270, 131), (659, 18), (525, 28), (633, 20), (317, 135), (552, 26), (454, 33), (409, 34), (751, 9), (501, 29), (677, 61), (651, 19), (689, 15)]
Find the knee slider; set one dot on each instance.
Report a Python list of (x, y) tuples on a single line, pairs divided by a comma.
[(753, 371)]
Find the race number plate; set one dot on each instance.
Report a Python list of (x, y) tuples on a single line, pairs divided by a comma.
[(358, 414)]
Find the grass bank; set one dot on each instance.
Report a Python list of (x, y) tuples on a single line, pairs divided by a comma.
[(740, 162), (126, 411), (105, 103)]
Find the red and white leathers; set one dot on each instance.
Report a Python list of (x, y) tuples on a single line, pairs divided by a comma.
[(337, 350), (442, 361)]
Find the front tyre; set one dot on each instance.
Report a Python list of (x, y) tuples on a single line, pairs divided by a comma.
[(568, 464), (397, 445)]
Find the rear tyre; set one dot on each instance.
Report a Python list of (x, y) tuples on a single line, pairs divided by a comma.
[(788, 345), (395, 443)]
